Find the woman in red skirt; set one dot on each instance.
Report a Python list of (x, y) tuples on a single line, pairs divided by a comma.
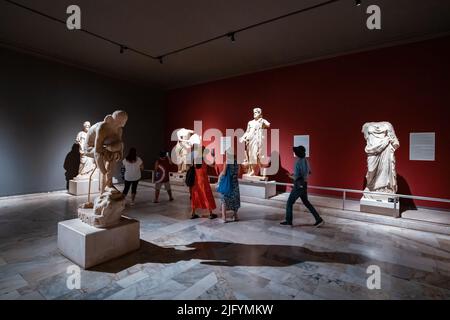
[(201, 193)]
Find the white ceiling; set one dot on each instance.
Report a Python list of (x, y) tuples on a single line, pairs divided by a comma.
[(159, 26)]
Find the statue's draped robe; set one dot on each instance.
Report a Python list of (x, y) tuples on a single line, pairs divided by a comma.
[(381, 144), (87, 164), (255, 134)]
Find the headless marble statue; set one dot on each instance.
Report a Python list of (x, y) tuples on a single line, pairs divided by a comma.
[(381, 144)]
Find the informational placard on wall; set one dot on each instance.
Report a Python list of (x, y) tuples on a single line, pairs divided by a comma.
[(225, 144), (302, 140), (422, 146)]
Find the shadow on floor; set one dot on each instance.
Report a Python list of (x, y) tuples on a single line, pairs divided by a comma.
[(228, 254), (403, 188)]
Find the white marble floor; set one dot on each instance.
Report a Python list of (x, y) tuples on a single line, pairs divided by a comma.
[(254, 258)]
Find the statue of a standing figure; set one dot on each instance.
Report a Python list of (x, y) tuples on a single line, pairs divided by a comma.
[(381, 144), (87, 165), (254, 139), (104, 144)]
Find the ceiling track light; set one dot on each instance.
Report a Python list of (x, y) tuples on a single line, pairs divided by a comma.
[(357, 3), (230, 35), (122, 49)]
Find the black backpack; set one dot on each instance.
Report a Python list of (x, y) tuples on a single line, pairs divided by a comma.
[(190, 177)]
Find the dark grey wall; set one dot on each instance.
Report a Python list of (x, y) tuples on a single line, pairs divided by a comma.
[(42, 107)]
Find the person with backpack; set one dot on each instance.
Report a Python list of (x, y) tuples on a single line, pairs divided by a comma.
[(162, 168), (200, 189), (230, 196), (300, 189)]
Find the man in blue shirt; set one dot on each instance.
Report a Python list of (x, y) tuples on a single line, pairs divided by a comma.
[(300, 189)]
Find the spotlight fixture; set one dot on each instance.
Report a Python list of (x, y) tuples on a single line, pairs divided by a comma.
[(122, 49), (231, 36), (160, 58), (357, 3)]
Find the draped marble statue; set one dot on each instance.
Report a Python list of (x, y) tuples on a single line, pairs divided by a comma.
[(104, 144), (254, 139), (87, 165), (186, 140), (381, 144), (182, 148)]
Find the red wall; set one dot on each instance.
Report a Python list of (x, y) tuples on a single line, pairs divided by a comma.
[(330, 100)]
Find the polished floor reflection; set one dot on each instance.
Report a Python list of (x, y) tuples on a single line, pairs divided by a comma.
[(254, 258)]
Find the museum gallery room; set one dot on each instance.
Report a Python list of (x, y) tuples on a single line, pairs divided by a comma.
[(224, 150)]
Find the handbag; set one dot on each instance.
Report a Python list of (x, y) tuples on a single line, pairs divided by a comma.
[(190, 177), (224, 186)]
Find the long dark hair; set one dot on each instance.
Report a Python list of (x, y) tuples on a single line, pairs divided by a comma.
[(300, 151), (131, 156)]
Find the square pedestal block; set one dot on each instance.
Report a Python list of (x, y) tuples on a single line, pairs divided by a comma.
[(81, 187), (383, 207), (177, 178), (88, 246), (258, 189)]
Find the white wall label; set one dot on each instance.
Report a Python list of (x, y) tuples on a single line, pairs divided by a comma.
[(422, 146), (302, 140)]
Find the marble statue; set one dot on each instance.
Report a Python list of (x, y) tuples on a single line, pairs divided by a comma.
[(104, 144), (381, 144), (87, 165), (186, 139), (254, 138)]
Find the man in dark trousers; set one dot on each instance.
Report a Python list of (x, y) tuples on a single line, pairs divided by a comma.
[(300, 189)]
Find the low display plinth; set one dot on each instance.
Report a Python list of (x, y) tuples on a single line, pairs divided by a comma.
[(385, 207), (177, 178), (257, 189), (88, 246), (254, 178), (81, 187)]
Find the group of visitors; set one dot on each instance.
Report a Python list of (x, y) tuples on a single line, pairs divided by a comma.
[(201, 195)]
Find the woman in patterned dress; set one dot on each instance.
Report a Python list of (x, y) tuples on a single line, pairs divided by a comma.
[(231, 201)]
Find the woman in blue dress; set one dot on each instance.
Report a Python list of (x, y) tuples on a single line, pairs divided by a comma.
[(231, 201)]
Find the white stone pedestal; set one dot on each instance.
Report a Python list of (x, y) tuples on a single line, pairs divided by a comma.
[(247, 177), (177, 178), (81, 187), (384, 207), (88, 246), (257, 189)]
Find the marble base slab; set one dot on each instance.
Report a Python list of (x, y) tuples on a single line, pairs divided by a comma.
[(254, 178), (88, 246), (383, 207), (177, 178), (81, 187), (260, 190)]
